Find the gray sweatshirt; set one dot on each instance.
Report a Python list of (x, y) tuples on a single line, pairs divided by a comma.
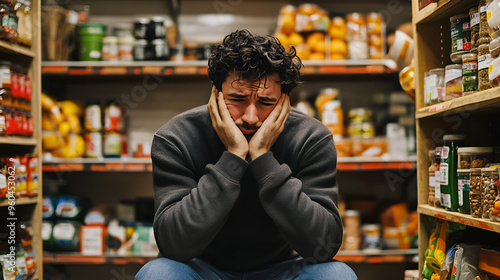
[(240, 214)]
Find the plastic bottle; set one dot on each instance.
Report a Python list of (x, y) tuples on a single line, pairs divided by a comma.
[(448, 170)]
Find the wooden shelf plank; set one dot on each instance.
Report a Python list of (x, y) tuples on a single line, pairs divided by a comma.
[(18, 141), (199, 67), (360, 256), (479, 101), (19, 201), (443, 9), (12, 48), (459, 218), (145, 165)]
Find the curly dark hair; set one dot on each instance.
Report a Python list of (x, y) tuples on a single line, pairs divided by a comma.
[(253, 58)]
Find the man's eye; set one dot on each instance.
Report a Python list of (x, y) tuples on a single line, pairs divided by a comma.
[(266, 104), (238, 99)]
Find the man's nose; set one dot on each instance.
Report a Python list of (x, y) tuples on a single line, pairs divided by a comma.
[(251, 114)]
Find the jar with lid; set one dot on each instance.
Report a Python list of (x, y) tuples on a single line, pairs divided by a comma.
[(474, 157), (325, 95), (483, 62), (371, 237), (494, 72), (494, 45), (476, 209), (453, 81), (28, 24), (448, 169), (126, 48), (427, 97), (469, 73), (5, 74), (432, 178), (489, 178), (484, 32), (141, 28), (351, 220), (4, 21), (158, 49), (140, 50), (19, 10), (436, 85), (110, 48), (360, 123), (93, 116), (457, 31), (13, 22), (356, 36), (474, 26), (156, 28), (437, 175), (463, 177), (113, 116)]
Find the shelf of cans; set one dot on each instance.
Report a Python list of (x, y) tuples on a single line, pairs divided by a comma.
[(21, 262), (316, 36), (465, 179), (475, 50), (20, 172), (16, 25), (15, 101)]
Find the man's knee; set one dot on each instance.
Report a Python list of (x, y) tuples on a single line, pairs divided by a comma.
[(335, 270), (163, 268)]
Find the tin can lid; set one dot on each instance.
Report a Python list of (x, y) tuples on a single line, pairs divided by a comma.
[(452, 137), (479, 150)]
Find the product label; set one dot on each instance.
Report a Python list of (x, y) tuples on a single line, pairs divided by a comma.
[(441, 93), (437, 185), (483, 9), (484, 61), (64, 231), (92, 241), (93, 142), (488, 14), (463, 186), (5, 21), (432, 181), (469, 68), (474, 19), (444, 154), (446, 200), (444, 173), (46, 231), (452, 74), (433, 87), (466, 25), (5, 80), (460, 44)]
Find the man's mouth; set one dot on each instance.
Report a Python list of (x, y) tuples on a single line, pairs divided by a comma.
[(247, 131)]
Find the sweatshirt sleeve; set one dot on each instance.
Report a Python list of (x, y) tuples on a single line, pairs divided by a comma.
[(303, 207), (190, 212)]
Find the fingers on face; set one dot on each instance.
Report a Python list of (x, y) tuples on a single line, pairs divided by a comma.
[(213, 108)]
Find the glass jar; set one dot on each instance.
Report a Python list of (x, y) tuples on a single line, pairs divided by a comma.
[(448, 169), (475, 193), (453, 81), (484, 32), (483, 63), (437, 183), (474, 26), (489, 178), (463, 177), (469, 73), (457, 38), (360, 123), (494, 45), (474, 157), (432, 178), (436, 85), (352, 239), (4, 21)]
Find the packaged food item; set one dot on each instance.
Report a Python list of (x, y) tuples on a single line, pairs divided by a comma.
[(325, 95), (376, 32), (3, 179), (463, 176), (141, 28), (352, 222), (437, 184), (110, 48), (344, 147), (432, 178), (48, 206), (286, 20), (126, 48), (371, 237), (474, 26), (448, 170), (140, 50), (25, 231), (93, 144), (453, 81), (476, 208), (113, 116), (489, 178), (356, 36), (360, 123), (93, 116), (437, 92), (494, 45), (112, 144), (338, 29), (156, 28), (333, 118), (495, 212), (494, 72), (373, 147), (457, 31), (311, 18), (158, 50), (493, 14), (407, 80), (66, 235), (484, 32), (474, 157), (484, 62), (469, 74)]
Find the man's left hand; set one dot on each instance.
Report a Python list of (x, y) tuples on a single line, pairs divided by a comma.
[(271, 128)]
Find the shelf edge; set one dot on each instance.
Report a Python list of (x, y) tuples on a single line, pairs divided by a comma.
[(459, 218)]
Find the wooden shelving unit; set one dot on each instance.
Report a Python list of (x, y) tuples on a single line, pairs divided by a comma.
[(29, 57), (431, 27)]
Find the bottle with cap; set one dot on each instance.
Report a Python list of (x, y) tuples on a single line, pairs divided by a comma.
[(448, 169)]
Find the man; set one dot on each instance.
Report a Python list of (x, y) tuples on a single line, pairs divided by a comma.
[(245, 188)]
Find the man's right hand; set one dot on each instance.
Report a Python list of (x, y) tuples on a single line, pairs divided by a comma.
[(232, 137)]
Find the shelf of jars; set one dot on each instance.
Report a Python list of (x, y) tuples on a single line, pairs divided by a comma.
[(459, 218), (16, 49), (199, 67), (359, 256), (483, 100), (128, 164)]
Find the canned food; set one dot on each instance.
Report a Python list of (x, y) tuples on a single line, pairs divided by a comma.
[(112, 144), (93, 116), (93, 144)]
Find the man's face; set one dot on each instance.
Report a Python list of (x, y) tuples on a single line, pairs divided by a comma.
[(249, 103)]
